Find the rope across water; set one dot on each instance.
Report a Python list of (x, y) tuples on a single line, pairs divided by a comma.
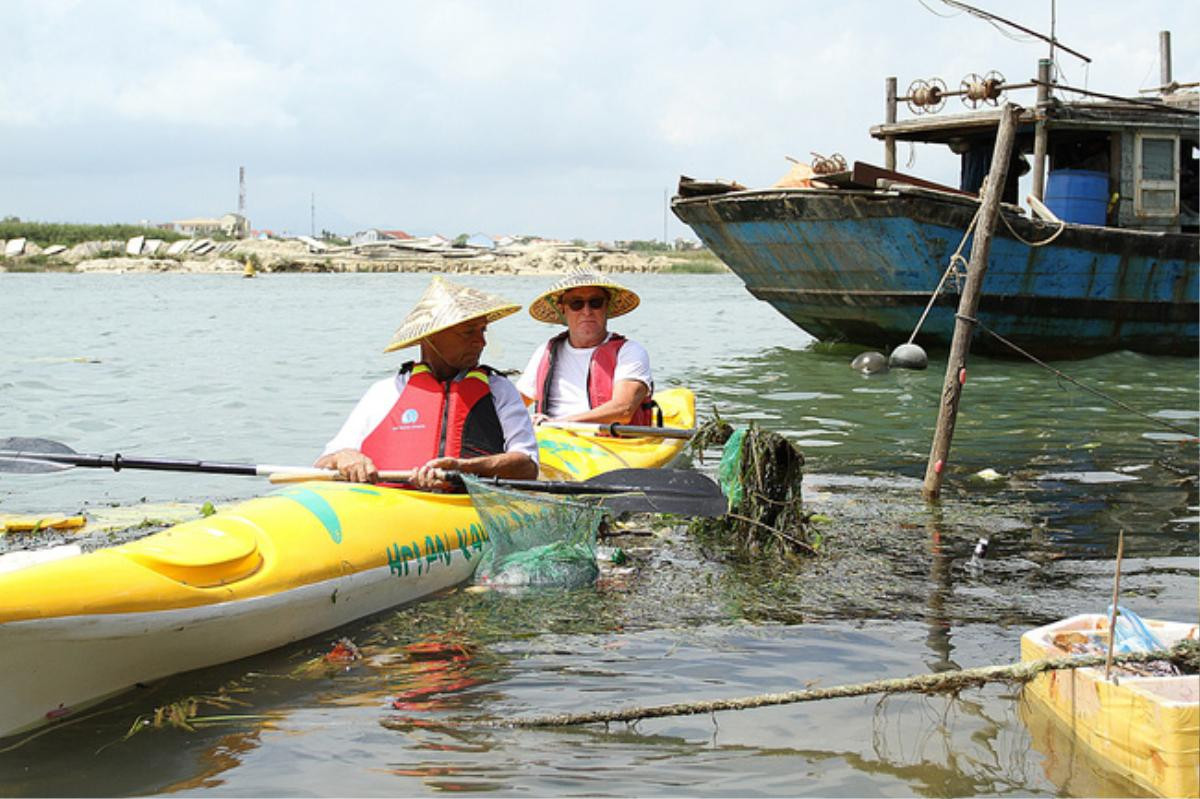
[(940, 682)]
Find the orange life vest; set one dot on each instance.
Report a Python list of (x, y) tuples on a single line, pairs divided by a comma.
[(432, 419)]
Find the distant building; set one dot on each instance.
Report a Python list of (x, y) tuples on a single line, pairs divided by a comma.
[(372, 235), (234, 225)]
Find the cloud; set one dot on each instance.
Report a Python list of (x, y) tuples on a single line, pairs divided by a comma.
[(562, 118), (220, 86)]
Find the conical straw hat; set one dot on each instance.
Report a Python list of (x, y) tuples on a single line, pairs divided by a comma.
[(620, 299), (444, 305)]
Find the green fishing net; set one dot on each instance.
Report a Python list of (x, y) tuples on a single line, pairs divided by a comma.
[(535, 539)]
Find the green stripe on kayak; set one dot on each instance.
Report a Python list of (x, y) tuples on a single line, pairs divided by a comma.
[(318, 506)]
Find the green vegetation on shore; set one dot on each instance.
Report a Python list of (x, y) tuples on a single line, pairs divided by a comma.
[(45, 234), (693, 262)]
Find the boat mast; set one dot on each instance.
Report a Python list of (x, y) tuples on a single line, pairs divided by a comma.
[(1038, 184), (1164, 61), (889, 116), (1053, 20)]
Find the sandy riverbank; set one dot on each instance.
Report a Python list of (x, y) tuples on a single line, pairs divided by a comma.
[(298, 256)]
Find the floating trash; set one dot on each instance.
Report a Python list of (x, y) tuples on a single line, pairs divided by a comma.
[(761, 474)]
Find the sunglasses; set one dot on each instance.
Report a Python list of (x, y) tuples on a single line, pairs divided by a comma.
[(595, 303)]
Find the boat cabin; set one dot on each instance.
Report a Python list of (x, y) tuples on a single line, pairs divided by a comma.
[(1126, 163)]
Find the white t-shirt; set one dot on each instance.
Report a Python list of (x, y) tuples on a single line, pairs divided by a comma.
[(568, 390), (381, 398)]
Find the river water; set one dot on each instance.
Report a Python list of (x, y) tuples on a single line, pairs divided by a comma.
[(264, 371)]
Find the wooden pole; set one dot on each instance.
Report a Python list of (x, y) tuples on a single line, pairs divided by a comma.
[(960, 345), (1038, 189), (1112, 620), (889, 117)]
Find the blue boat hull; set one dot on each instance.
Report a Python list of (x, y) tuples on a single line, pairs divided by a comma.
[(859, 266)]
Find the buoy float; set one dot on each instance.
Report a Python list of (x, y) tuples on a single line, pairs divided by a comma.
[(869, 363), (908, 356)]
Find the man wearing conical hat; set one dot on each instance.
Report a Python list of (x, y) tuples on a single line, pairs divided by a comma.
[(445, 411), (588, 373)]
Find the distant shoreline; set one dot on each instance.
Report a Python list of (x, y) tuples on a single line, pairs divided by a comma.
[(293, 256)]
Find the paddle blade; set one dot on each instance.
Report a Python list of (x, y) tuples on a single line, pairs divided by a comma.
[(679, 491), (20, 455)]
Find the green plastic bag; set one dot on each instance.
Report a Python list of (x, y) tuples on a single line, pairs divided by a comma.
[(729, 471)]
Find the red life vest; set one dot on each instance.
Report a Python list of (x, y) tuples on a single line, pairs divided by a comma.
[(432, 419), (601, 368)]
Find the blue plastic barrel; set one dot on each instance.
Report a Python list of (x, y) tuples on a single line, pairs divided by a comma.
[(1078, 195)]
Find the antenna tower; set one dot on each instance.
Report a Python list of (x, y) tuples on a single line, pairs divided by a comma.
[(242, 191)]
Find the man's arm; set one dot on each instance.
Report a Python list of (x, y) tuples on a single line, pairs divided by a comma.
[(351, 463), (342, 452), (509, 465)]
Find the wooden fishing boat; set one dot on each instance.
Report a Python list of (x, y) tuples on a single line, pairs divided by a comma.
[(1108, 261), (1144, 729)]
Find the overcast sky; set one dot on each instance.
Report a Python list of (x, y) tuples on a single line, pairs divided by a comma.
[(566, 119)]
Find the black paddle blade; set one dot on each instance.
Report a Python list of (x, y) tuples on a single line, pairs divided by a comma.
[(20, 455), (678, 491)]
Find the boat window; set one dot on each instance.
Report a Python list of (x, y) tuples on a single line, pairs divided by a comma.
[(1157, 171), (1189, 179)]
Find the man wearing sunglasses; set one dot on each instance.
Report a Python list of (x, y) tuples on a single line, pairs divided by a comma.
[(587, 373)]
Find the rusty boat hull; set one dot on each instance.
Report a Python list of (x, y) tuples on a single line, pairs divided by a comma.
[(860, 266)]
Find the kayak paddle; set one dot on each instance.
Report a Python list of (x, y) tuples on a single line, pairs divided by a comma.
[(41, 456), (678, 491), (628, 430), (686, 493)]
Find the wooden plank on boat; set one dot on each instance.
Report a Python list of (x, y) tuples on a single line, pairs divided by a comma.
[(867, 176)]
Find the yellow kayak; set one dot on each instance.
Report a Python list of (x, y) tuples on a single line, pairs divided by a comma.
[(77, 628), (578, 455), (258, 575)]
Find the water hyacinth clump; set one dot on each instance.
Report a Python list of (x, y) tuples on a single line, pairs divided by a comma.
[(761, 473)]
